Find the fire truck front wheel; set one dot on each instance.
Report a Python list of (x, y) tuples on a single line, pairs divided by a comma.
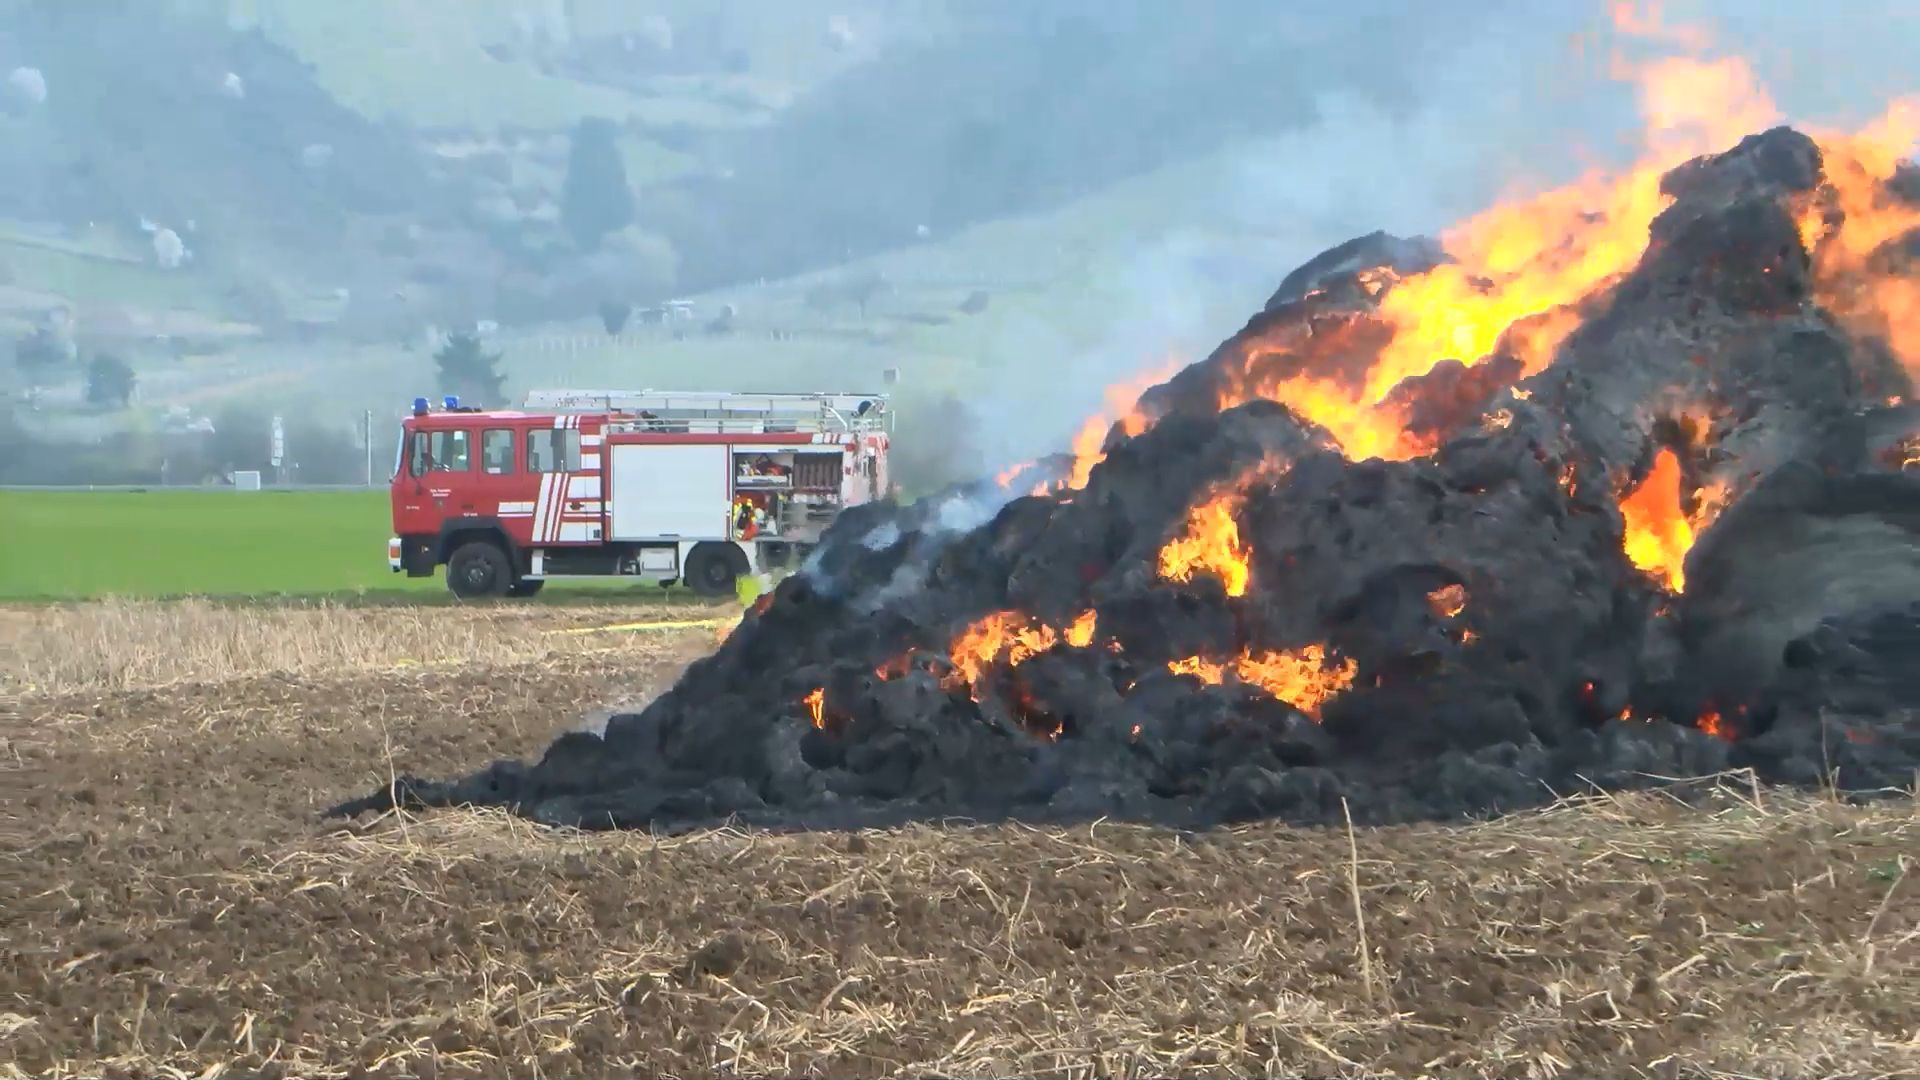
[(713, 568), (479, 569)]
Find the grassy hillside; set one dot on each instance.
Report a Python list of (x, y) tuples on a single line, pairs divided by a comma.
[(1086, 277), (426, 62)]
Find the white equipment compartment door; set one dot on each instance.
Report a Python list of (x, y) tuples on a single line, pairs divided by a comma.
[(668, 492)]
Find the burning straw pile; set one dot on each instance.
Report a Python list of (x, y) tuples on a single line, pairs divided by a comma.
[(1613, 485)]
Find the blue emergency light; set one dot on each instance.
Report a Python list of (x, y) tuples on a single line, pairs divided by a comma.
[(419, 406), (450, 402)]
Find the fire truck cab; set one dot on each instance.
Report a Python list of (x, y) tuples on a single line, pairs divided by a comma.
[(700, 489)]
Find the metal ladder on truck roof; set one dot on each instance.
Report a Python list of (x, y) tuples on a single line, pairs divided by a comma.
[(725, 413)]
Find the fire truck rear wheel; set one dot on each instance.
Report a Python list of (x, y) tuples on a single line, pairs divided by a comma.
[(712, 569), (479, 569)]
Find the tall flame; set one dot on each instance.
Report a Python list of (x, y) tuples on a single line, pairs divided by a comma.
[(1658, 534), (1857, 167), (1520, 266), (1080, 634), (1211, 545)]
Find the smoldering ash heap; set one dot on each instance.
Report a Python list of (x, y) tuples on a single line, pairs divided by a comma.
[(1421, 539)]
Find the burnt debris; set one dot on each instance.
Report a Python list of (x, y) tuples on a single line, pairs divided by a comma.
[(1232, 619)]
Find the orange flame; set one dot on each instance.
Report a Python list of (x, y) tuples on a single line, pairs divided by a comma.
[(816, 702), (1713, 724), (1010, 638), (1857, 167), (1304, 679), (1658, 534), (1080, 634), (1212, 545), (1001, 636)]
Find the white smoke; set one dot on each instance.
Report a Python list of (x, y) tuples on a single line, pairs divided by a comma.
[(964, 513)]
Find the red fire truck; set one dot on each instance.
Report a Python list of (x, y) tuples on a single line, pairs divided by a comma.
[(701, 489)]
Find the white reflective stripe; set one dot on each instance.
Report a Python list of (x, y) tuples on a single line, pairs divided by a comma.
[(577, 532), (540, 508), (556, 505), (590, 461), (516, 508), (583, 487), (590, 440)]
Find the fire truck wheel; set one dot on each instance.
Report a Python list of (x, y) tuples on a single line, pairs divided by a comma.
[(712, 569), (477, 569)]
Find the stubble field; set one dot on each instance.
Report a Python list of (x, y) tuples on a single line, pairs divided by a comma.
[(177, 908)]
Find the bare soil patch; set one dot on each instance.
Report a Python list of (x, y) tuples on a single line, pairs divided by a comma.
[(175, 908)]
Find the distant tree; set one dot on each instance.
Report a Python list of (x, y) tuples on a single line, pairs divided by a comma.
[(614, 314), (469, 371), (594, 198), (110, 381)]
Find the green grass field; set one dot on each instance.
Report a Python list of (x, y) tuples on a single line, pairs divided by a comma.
[(73, 545)]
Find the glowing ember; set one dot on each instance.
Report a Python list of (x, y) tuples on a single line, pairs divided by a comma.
[(1905, 454), (1658, 534), (1304, 679), (896, 667), (1080, 634), (1211, 545), (816, 702), (1448, 601)]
